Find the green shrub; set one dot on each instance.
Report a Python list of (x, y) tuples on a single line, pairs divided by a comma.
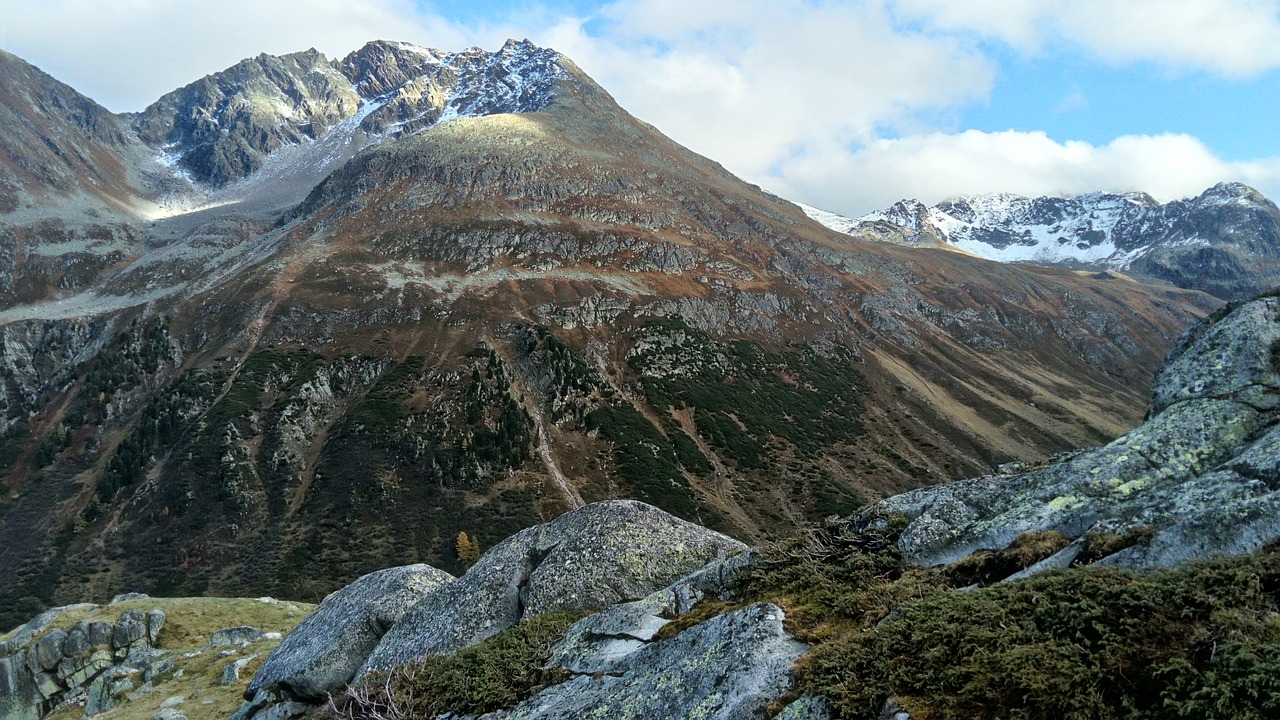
[(492, 675)]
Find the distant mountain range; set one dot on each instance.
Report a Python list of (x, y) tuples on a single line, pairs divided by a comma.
[(1225, 242), (307, 318)]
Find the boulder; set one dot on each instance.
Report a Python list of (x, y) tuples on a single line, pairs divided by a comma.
[(100, 633), (49, 649), (323, 653), (598, 555), (604, 642), (77, 642), (1202, 471), (731, 667), (234, 636)]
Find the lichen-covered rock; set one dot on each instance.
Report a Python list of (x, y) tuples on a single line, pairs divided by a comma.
[(603, 642), (20, 699), (324, 652), (1231, 357), (49, 649), (77, 642), (730, 667), (155, 622), (808, 707), (234, 636), (595, 556), (130, 630), (1203, 470), (100, 633), (107, 691)]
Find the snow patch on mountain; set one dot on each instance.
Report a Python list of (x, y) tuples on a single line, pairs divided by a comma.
[(1092, 230)]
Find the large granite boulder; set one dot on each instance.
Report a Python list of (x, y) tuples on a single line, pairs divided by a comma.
[(323, 653), (1202, 471), (731, 667), (599, 555)]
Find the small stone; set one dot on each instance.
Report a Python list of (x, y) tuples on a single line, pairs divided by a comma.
[(169, 714), (155, 621), (172, 701), (125, 597), (231, 672)]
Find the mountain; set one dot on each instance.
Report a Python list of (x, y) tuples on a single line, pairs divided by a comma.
[(409, 294), (1225, 242), (1139, 576)]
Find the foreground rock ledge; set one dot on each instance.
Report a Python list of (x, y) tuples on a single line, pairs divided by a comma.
[(1203, 471)]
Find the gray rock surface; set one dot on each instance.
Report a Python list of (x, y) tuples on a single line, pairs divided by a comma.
[(604, 642), (1202, 470), (130, 631), (20, 699), (234, 636), (324, 652), (595, 556), (49, 649), (730, 667), (808, 707), (231, 671)]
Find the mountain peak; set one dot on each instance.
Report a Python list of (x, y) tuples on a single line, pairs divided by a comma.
[(1226, 241), (225, 127)]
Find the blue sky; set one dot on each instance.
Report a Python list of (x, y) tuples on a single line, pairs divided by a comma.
[(845, 104)]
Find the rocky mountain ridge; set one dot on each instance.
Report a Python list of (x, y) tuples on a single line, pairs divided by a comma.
[(489, 322), (223, 127), (1226, 241)]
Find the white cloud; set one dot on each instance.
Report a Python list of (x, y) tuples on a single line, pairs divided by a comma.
[(1229, 37), (936, 166), (752, 82), (127, 53)]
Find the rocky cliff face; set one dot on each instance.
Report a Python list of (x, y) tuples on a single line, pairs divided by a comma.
[(1226, 241)]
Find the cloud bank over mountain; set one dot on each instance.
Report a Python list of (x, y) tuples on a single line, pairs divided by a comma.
[(847, 105)]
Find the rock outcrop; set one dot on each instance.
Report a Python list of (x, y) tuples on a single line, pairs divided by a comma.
[(598, 555), (38, 669), (729, 667), (324, 652), (640, 564), (1199, 476)]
